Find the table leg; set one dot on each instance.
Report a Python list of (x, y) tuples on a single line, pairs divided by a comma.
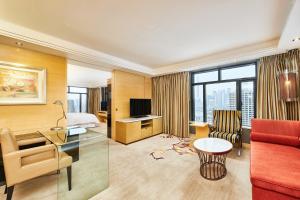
[(212, 167)]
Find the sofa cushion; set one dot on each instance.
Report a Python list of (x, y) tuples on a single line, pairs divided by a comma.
[(276, 139), (231, 137), (275, 167)]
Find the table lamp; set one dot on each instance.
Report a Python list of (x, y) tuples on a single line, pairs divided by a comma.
[(57, 128)]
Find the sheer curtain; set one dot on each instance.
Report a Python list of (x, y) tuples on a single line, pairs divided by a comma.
[(170, 99)]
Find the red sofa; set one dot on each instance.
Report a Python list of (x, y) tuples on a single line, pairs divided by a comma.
[(275, 160)]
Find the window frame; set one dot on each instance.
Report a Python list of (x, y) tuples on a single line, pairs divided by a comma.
[(80, 96), (238, 87)]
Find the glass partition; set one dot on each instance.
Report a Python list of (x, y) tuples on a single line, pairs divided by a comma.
[(83, 164)]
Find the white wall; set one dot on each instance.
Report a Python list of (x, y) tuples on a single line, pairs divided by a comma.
[(87, 77)]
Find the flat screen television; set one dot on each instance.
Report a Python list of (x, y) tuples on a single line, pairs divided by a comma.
[(104, 105), (140, 107)]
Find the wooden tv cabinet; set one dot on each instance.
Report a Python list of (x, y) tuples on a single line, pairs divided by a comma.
[(133, 129)]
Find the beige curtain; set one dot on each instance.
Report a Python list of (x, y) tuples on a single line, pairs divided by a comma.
[(170, 99), (94, 97), (269, 105)]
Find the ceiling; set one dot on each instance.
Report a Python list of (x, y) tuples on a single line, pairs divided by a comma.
[(87, 77), (147, 35)]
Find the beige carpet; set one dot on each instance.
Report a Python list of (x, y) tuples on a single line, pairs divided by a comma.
[(135, 175)]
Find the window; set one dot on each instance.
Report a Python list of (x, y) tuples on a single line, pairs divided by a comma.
[(206, 77), (239, 72), (220, 96), (228, 88), (78, 90), (77, 99), (247, 102), (73, 103), (198, 96), (84, 103)]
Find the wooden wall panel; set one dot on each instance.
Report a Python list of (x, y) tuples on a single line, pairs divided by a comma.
[(148, 88), (36, 117), (127, 85)]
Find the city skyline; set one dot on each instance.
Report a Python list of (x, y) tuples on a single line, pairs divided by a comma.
[(223, 96)]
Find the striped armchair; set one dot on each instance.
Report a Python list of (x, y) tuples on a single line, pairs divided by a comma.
[(227, 124)]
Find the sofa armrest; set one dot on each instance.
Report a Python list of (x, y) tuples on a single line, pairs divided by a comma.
[(275, 139)]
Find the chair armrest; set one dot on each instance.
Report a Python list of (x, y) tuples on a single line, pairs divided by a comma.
[(31, 141), (31, 151), (36, 150), (29, 138), (240, 131), (211, 128), (16, 172)]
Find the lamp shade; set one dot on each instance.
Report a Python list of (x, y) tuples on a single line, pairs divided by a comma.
[(288, 86)]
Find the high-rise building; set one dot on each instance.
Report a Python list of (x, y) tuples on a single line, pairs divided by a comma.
[(247, 106)]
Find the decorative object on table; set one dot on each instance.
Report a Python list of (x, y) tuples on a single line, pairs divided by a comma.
[(288, 85), (212, 154), (57, 128), (21, 84), (227, 124)]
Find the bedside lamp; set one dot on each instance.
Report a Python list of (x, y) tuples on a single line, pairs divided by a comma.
[(57, 128)]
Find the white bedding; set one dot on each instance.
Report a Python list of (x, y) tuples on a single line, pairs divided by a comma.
[(85, 120)]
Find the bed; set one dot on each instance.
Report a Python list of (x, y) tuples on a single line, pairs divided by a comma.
[(85, 120)]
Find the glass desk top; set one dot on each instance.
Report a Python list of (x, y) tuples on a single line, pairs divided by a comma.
[(71, 135)]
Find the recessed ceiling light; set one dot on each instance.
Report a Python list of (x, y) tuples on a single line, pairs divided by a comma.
[(296, 39), (19, 43)]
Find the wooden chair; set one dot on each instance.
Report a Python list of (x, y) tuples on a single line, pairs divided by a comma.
[(227, 124), (23, 165)]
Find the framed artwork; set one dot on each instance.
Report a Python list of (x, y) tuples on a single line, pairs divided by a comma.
[(22, 85)]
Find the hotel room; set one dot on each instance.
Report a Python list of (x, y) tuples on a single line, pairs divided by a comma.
[(150, 100)]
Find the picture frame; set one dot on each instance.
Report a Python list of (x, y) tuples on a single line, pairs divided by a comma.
[(21, 84)]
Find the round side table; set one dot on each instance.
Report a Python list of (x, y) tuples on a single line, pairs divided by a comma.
[(212, 154)]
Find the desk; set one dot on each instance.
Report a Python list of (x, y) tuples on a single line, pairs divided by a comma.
[(90, 149), (68, 140)]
